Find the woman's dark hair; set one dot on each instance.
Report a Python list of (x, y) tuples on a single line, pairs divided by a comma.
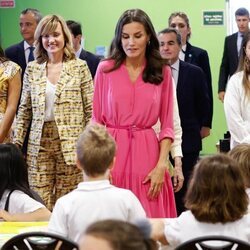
[(122, 235), (216, 192), (13, 170), (154, 64)]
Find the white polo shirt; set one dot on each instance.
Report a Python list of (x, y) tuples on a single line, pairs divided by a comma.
[(92, 201)]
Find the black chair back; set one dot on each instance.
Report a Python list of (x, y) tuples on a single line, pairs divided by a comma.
[(39, 241), (214, 243)]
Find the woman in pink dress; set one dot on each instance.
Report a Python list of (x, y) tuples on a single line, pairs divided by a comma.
[(133, 89)]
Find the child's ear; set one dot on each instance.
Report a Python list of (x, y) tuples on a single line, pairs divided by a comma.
[(78, 164), (112, 163)]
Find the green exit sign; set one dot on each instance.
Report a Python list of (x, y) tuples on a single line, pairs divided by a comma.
[(213, 17)]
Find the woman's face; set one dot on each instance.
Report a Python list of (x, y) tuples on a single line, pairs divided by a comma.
[(179, 24), (134, 40), (54, 42), (89, 242), (247, 49)]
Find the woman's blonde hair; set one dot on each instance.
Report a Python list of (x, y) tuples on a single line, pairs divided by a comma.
[(46, 26)]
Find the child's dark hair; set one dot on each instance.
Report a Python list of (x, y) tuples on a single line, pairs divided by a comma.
[(13, 170), (122, 235)]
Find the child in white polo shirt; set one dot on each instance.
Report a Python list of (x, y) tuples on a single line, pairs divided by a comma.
[(95, 198)]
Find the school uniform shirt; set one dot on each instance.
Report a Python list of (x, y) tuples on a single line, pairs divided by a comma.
[(90, 202), (19, 202), (187, 227)]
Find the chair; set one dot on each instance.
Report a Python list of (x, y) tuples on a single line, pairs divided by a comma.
[(39, 240), (214, 243)]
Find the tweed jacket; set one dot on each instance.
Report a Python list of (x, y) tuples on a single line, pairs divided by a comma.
[(72, 107)]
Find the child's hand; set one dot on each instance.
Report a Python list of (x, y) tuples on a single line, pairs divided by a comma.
[(5, 215)]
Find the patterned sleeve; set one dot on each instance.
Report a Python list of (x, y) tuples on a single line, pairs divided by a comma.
[(87, 92), (24, 115)]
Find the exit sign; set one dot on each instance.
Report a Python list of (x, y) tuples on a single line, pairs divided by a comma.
[(7, 3), (213, 18)]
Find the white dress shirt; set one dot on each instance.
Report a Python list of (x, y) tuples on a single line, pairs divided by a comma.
[(239, 42), (27, 51), (182, 52)]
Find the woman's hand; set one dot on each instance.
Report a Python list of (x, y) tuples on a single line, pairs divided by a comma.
[(156, 178), (178, 177)]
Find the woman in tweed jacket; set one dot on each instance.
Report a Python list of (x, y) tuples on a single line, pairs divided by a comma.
[(57, 101)]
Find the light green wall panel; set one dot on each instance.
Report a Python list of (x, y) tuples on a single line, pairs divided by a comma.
[(99, 18)]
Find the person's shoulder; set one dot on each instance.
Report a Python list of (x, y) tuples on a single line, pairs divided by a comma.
[(199, 50), (235, 79), (11, 65), (14, 47), (92, 55), (68, 198), (190, 67), (105, 65), (236, 76), (232, 36)]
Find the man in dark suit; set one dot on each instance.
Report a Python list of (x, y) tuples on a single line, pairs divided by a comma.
[(91, 59), (232, 48), (192, 54), (20, 52), (193, 103)]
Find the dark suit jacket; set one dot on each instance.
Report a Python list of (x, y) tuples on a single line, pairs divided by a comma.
[(229, 61), (16, 54), (193, 103), (92, 61), (199, 57)]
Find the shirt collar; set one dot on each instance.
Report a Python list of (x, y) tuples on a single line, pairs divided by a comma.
[(176, 65), (78, 52), (94, 185), (26, 45)]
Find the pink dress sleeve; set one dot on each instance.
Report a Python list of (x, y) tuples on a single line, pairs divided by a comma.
[(166, 108)]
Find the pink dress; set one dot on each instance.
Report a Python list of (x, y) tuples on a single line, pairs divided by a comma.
[(129, 110)]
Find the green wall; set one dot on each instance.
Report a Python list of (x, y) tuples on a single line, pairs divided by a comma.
[(99, 18)]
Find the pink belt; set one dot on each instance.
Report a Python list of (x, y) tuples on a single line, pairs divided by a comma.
[(130, 129)]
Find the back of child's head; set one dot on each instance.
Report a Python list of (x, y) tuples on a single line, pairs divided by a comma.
[(95, 150), (13, 169), (216, 192), (122, 235), (241, 153)]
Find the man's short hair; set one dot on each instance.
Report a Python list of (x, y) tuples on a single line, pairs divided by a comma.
[(35, 12), (172, 30), (242, 12), (95, 150), (75, 27)]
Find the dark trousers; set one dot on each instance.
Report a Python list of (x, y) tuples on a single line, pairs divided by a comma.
[(188, 162)]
